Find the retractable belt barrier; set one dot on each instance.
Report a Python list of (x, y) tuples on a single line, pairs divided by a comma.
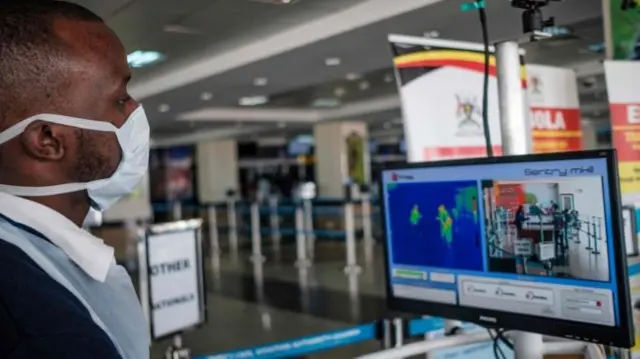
[(277, 217), (306, 345)]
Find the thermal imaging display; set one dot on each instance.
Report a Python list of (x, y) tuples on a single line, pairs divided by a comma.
[(533, 238)]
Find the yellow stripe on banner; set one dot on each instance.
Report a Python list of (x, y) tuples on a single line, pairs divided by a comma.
[(557, 134), (453, 55), (627, 128), (443, 54)]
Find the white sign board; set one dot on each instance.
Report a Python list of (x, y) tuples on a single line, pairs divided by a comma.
[(522, 247), (546, 251), (175, 281)]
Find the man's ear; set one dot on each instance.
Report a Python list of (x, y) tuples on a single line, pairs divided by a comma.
[(46, 141)]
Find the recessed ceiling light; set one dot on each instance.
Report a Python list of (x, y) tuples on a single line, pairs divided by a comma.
[(260, 81), (138, 59), (364, 85), (332, 61), (253, 100), (388, 78), (352, 76), (206, 96), (179, 29), (164, 108), (339, 91), (326, 102)]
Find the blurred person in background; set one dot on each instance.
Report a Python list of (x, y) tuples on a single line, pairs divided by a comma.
[(71, 139)]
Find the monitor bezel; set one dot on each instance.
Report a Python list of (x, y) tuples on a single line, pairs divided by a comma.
[(622, 335)]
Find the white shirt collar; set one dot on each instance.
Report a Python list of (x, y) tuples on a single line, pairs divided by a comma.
[(87, 251)]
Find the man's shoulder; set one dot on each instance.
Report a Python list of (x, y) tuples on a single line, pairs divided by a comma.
[(34, 305)]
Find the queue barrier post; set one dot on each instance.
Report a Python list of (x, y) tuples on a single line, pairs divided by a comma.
[(301, 245), (308, 228), (589, 234), (352, 266), (598, 237), (214, 236), (274, 222), (256, 235), (232, 222), (176, 211), (176, 351), (365, 198)]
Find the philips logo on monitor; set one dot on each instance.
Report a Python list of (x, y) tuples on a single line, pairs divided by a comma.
[(560, 172), (488, 319)]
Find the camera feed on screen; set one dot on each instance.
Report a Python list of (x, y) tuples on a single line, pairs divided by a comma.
[(529, 238), (554, 227)]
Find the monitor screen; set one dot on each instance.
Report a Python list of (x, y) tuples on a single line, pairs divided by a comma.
[(498, 240)]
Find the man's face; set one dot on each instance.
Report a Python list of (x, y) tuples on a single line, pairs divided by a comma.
[(98, 91), (94, 75)]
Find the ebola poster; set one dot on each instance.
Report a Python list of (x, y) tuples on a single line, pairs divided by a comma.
[(555, 109), (355, 158), (623, 87), (441, 88)]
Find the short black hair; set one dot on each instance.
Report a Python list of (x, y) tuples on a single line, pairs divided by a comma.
[(30, 51)]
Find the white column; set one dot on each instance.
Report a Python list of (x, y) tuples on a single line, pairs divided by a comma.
[(217, 170)]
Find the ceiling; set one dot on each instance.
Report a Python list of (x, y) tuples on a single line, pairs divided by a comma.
[(217, 49)]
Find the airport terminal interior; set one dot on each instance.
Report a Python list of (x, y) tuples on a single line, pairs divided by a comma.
[(276, 121)]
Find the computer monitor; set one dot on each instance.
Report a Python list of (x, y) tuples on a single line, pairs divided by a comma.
[(531, 243)]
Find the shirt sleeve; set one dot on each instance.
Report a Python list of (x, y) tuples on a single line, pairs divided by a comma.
[(65, 347)]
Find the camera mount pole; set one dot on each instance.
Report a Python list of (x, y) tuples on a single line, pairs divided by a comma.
[(515, 129), (514, 117)]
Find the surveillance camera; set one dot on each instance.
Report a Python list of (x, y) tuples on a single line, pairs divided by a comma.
[(532, 18)]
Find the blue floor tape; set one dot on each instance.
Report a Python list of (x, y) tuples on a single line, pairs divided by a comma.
[(304, 345)]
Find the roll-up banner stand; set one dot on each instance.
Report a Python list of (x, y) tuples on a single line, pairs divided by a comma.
[(172, 284), (555, 109), (623, 88), (441, 87)]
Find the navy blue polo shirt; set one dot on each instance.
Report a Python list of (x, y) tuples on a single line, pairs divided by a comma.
[(40, 319)]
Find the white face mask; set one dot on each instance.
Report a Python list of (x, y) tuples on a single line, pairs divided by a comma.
[(133, 138), (93, 219)]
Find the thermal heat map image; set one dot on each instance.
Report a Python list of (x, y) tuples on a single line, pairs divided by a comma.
[(435, 224)]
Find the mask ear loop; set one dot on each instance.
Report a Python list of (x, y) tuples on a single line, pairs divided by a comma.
[(19, 127)]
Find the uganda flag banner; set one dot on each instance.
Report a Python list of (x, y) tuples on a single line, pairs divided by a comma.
[(623, 88), (441, 91)]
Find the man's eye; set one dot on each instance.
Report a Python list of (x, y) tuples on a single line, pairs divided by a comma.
[(123, 101)]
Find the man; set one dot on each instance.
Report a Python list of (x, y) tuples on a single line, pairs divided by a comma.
[(71, 139)]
